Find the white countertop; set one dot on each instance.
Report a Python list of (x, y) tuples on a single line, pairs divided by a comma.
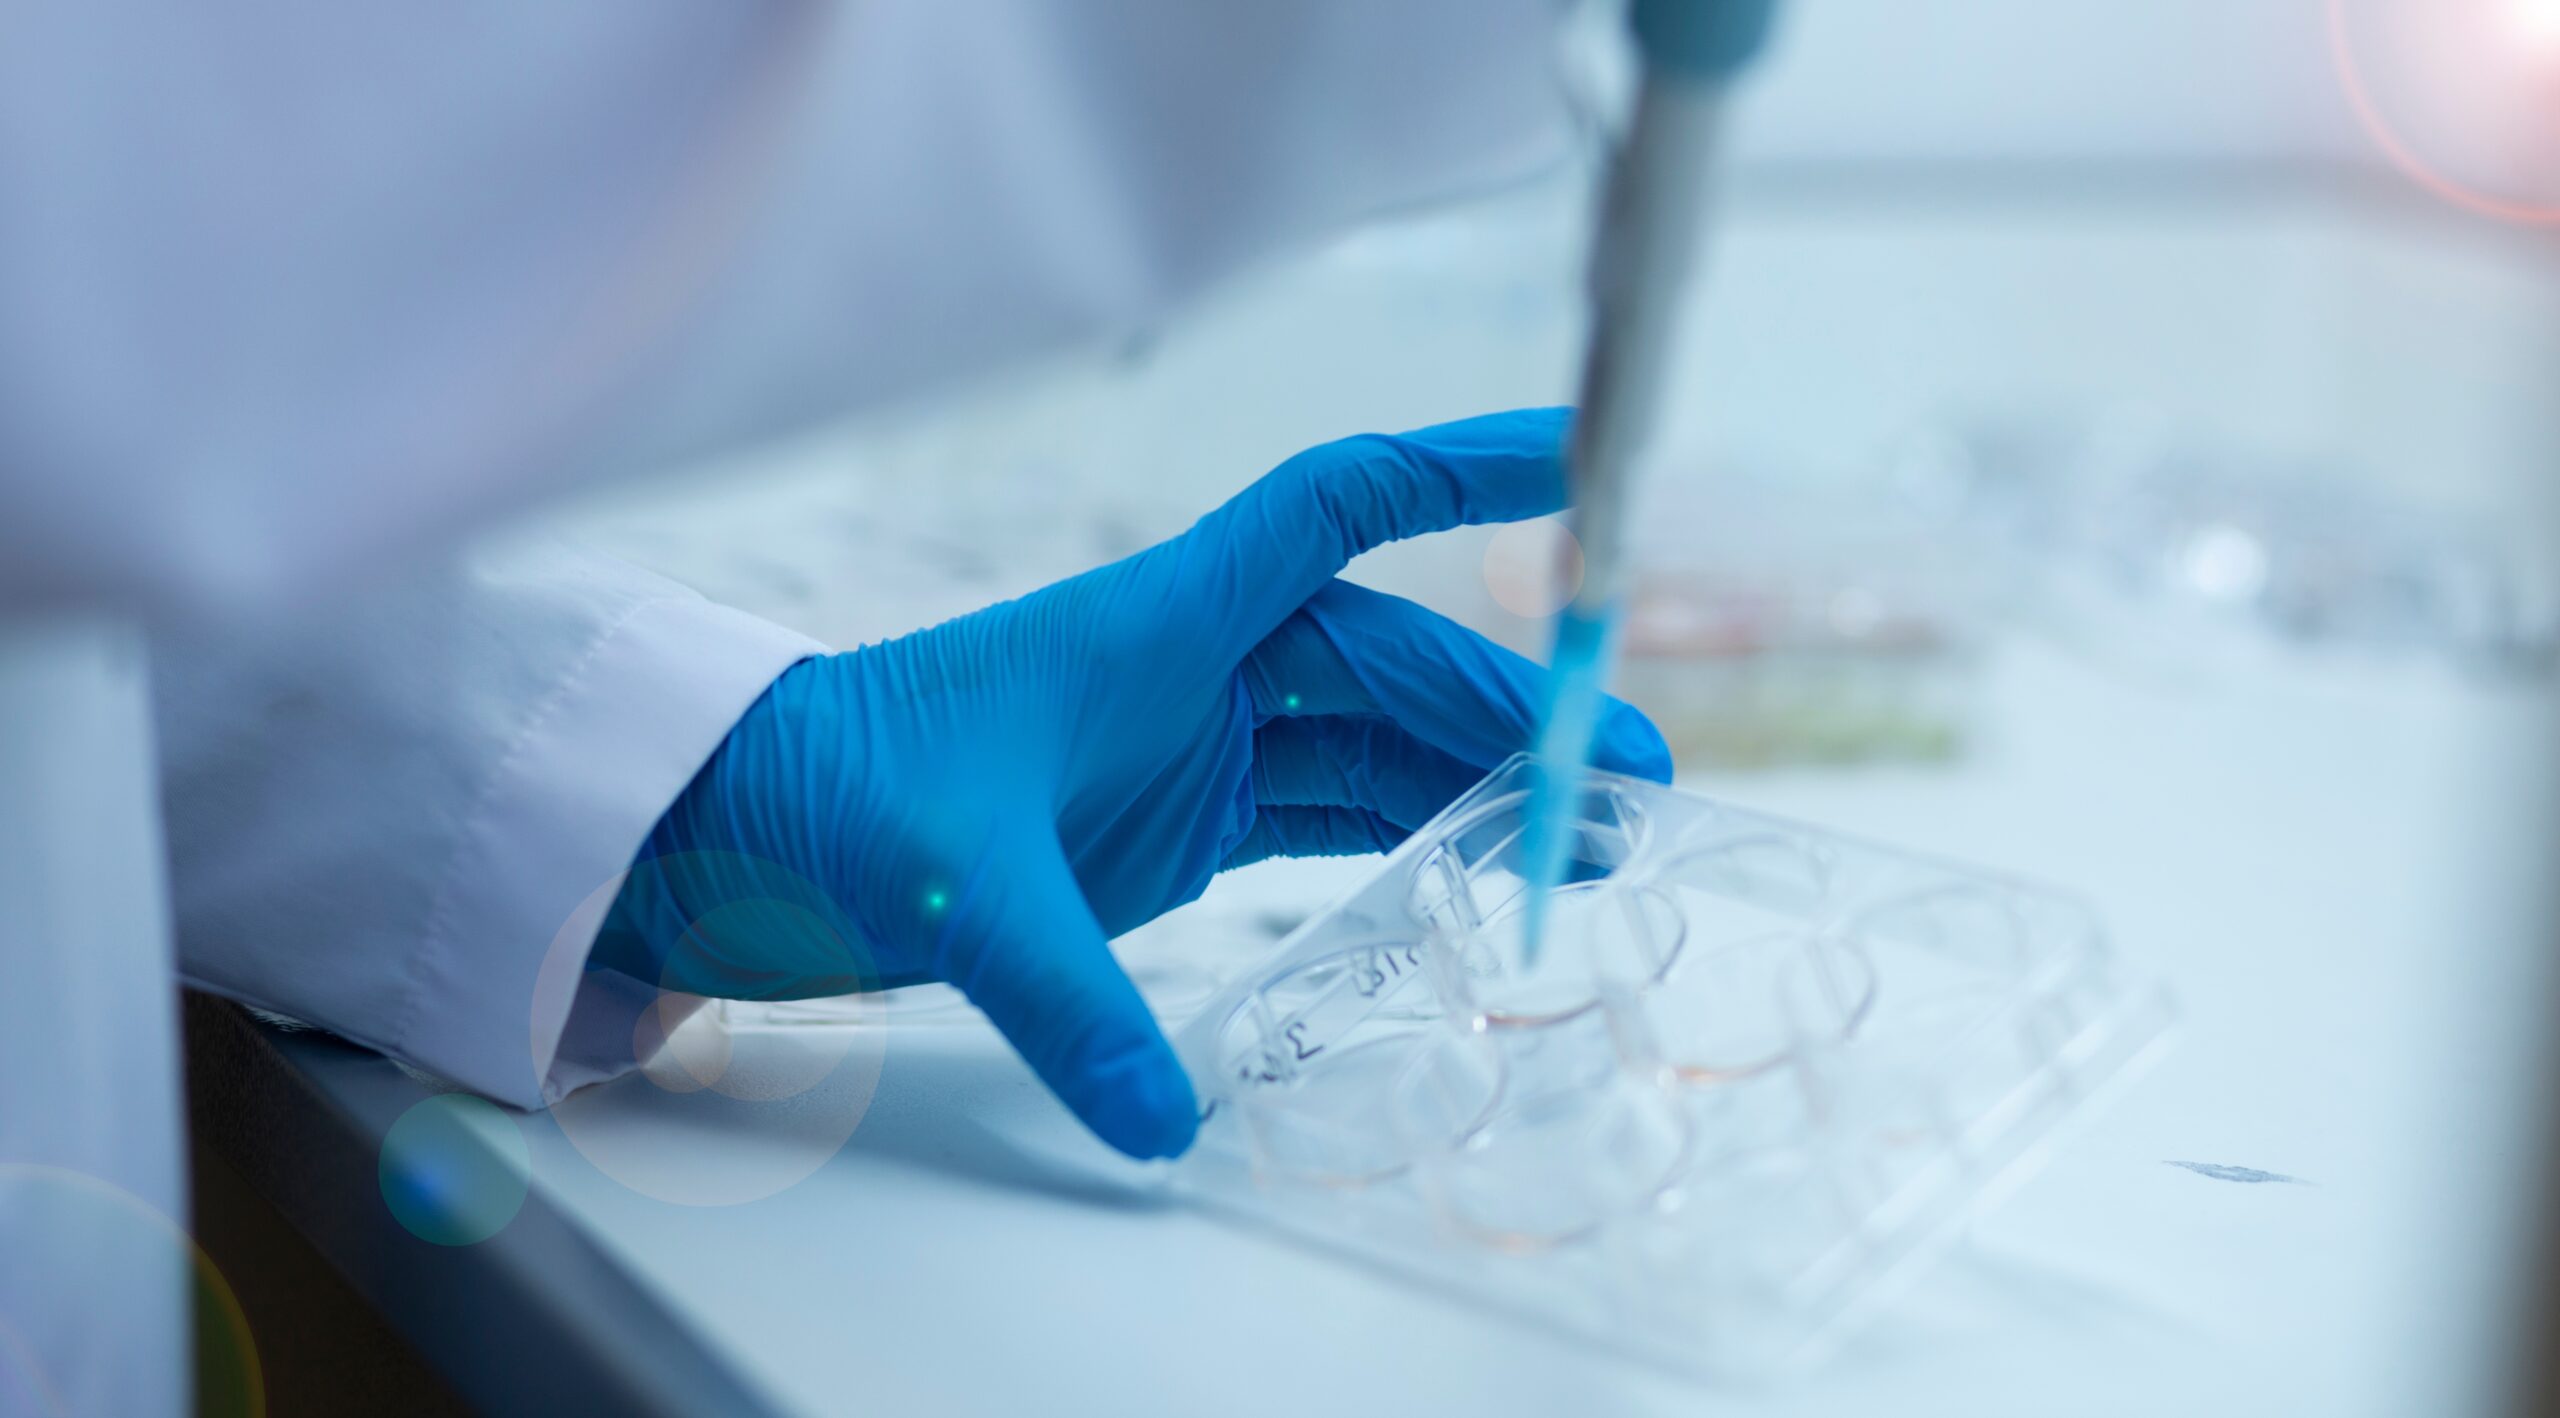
[(2338, 866), (2331, 864)]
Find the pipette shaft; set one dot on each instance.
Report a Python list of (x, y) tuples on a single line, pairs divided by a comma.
[(1651, 226)]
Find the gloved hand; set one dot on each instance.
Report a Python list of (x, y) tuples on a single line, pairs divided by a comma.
[(988, 801)]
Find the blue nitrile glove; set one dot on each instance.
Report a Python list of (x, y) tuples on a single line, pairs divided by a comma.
[(989, 801)]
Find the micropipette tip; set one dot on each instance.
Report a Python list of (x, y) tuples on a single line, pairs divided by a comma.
[(1581, 662)]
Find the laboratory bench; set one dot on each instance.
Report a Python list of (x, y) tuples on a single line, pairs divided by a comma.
[(2337, 864), (2340, 865)]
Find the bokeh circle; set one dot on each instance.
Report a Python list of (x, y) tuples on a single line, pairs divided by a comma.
[(454, 1169), (121, 1248), (717, 1112)]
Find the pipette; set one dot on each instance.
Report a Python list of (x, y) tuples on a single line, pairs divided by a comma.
[(1651, 219)]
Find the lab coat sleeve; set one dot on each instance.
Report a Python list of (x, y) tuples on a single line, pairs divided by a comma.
[(291, 288), (401, 820)]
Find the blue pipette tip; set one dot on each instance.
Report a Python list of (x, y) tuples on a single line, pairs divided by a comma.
[(1574, 676)]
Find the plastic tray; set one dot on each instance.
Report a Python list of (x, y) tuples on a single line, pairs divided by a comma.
[(1757, 1074)]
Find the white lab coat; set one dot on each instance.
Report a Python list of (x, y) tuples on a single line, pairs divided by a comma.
[(386, 818), (290, 291)]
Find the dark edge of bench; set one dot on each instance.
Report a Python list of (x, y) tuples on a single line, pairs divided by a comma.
[(537, 1319)]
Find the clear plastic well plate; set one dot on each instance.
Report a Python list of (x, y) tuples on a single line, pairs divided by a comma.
[(1756, 1074)]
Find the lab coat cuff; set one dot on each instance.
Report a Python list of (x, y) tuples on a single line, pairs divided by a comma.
[(505, 1004)]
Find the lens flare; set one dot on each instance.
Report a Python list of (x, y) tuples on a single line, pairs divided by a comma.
[(2537, 22), (2462, 98), (126, 1251), (786, 1100), (453, 1169)]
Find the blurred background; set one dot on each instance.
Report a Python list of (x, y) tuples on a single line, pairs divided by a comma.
[(2115, 443), (1988, 274)]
